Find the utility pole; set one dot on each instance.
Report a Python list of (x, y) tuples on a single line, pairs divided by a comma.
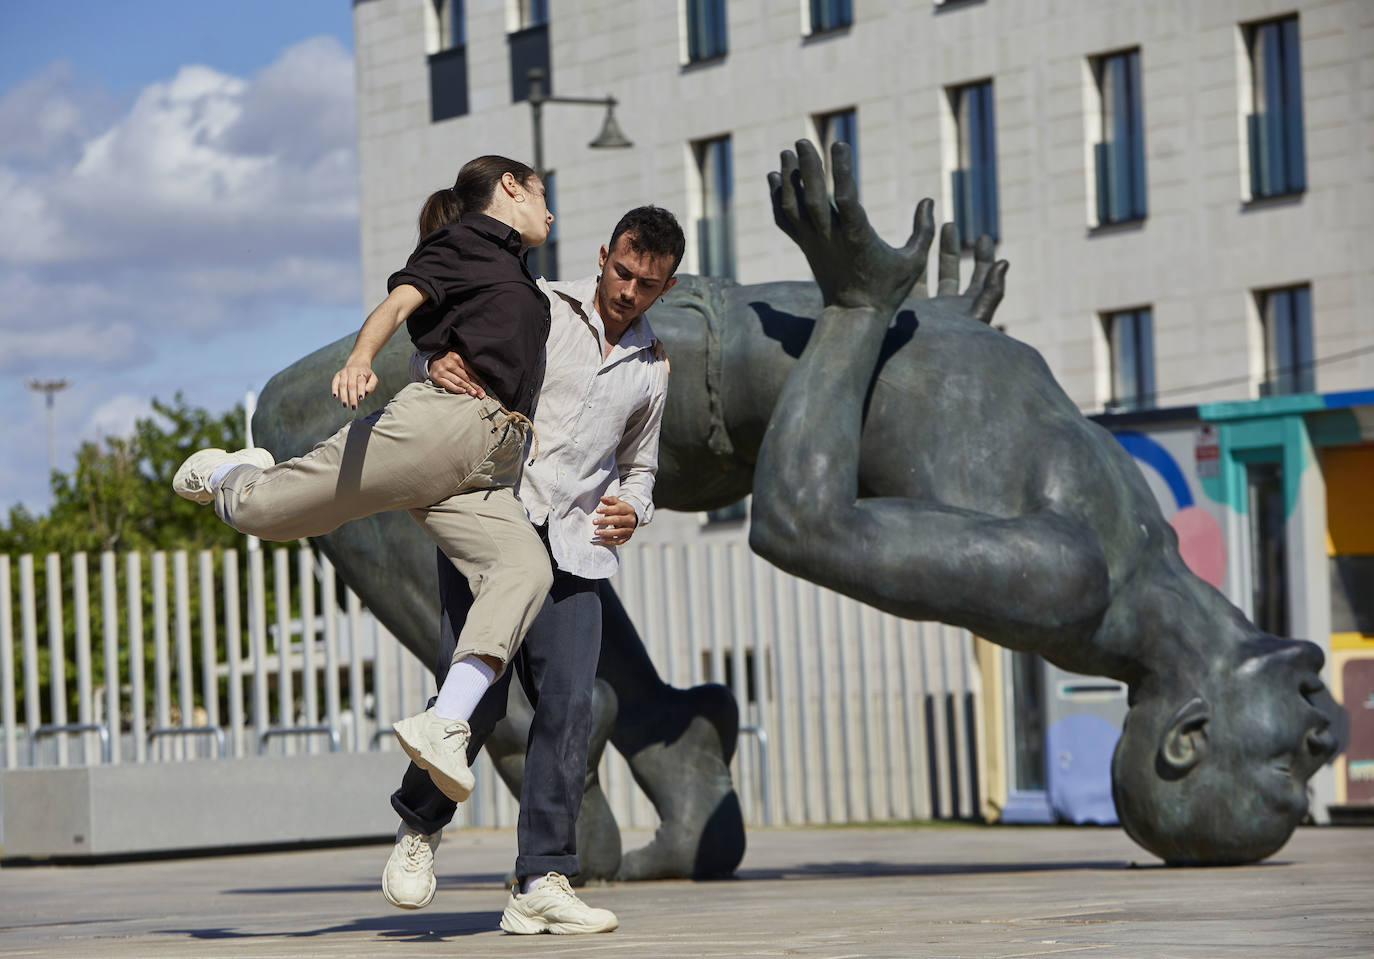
[(49, 388)]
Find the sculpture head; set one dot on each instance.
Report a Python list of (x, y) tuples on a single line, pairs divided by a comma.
[(1218, 775)]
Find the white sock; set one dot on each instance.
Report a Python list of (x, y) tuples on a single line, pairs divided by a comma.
[(528, 884), (218, 473), (467, 681)]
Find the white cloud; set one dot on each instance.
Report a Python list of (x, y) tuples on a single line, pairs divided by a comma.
[(117, 415), (166, 243)]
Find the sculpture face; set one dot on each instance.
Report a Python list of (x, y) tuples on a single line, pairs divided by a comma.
[(1224, 779), (1272, 710)]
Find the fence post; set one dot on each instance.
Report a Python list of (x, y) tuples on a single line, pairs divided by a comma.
[(137, 695), (7, 704), (233, 648), (81, 609), (57, 656), (186, 697), (209, 648), (257, 629), (109, 593)]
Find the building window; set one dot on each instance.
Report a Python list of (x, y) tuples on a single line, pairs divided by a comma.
[(975, 174), (831, 15), (448, 61), (715, 226), (842, 126), (529, 48), (706, 33), (532, 13), (1130, 338), (1119, 157), (1274, 127), (1286, 316)]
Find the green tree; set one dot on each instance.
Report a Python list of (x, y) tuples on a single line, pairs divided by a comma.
[(119, 495)]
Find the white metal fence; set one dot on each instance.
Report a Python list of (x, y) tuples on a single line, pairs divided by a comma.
[(847, 714)]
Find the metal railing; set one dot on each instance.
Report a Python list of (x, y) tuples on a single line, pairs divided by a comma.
[(169, 657)]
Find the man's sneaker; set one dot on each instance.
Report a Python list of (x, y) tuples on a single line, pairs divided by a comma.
[(192, 479), (408, 879), (552, 906), (440, 746)]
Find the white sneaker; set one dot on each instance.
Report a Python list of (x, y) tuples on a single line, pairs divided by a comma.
[(192, 479), (552, 906), (440, 746), (408, 879)]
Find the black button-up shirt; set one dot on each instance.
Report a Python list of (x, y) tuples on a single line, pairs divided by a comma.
[(481, 302)]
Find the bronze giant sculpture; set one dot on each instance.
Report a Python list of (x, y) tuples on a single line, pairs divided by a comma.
[(906, 453)]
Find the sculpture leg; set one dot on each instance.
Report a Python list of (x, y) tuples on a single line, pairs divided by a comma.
[(1032, 571), (678, 743)]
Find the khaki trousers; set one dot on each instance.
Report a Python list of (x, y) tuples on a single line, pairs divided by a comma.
[(450, 460)]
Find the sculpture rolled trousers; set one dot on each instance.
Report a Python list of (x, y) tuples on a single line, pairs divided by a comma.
[(906, 453)]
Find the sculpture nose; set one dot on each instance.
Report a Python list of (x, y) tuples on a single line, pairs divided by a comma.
[(1298, 654), (1321, 743)]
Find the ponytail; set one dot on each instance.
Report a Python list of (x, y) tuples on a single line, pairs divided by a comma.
[(471, 191), (441, 209)]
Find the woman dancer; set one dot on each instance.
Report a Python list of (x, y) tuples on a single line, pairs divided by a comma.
[(450, 459)]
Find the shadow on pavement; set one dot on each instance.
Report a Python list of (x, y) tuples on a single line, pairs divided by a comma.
[(463, 881), (829, 870), (403, 927)]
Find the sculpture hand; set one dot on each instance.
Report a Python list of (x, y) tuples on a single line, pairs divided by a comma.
[(851, 263), (988, 284)]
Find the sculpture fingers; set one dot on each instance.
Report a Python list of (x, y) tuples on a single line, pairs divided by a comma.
[(991, 293), (812, 187), (917, 247), (776, 190), (983, 252), (787, 201), (851, 212), (949, 261)]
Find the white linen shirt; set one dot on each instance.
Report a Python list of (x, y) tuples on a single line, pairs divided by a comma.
[(598, 420)]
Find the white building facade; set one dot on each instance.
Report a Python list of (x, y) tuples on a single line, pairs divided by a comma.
[(1191, 266), (1182, 190)]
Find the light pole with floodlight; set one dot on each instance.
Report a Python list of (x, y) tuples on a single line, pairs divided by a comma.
[(610, 137), (49, 388)]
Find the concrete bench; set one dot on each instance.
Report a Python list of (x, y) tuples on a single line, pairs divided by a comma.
[(85, 812)]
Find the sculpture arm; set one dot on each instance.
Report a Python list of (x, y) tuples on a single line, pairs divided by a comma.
[(637, 455), (1017, 579)]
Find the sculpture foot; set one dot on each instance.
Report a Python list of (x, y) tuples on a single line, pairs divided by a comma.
[(683, 765)]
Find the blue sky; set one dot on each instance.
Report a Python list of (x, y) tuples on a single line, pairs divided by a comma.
[(178, 209)]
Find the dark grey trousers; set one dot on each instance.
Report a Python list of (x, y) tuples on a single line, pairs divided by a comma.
[(556, 666)]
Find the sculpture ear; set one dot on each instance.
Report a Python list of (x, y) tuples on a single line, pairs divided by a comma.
[(1185, 740)]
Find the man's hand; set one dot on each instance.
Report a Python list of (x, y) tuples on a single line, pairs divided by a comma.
[(615, 521), (851, 263), (449, 371), (353, 383)]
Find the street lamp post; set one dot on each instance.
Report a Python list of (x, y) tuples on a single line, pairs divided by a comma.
[(610, 137), (49, 388)]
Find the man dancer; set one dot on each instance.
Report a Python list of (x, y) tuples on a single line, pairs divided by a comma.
[(591, 486)]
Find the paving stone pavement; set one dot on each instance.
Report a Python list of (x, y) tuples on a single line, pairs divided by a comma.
[(920, 891)]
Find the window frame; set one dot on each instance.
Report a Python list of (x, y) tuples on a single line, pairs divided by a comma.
[(1275, 140), (1121, 191), (1143, 380), (973, 184)]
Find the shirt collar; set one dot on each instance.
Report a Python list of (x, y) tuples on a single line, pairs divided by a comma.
[(583, 292), (502, 234)]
